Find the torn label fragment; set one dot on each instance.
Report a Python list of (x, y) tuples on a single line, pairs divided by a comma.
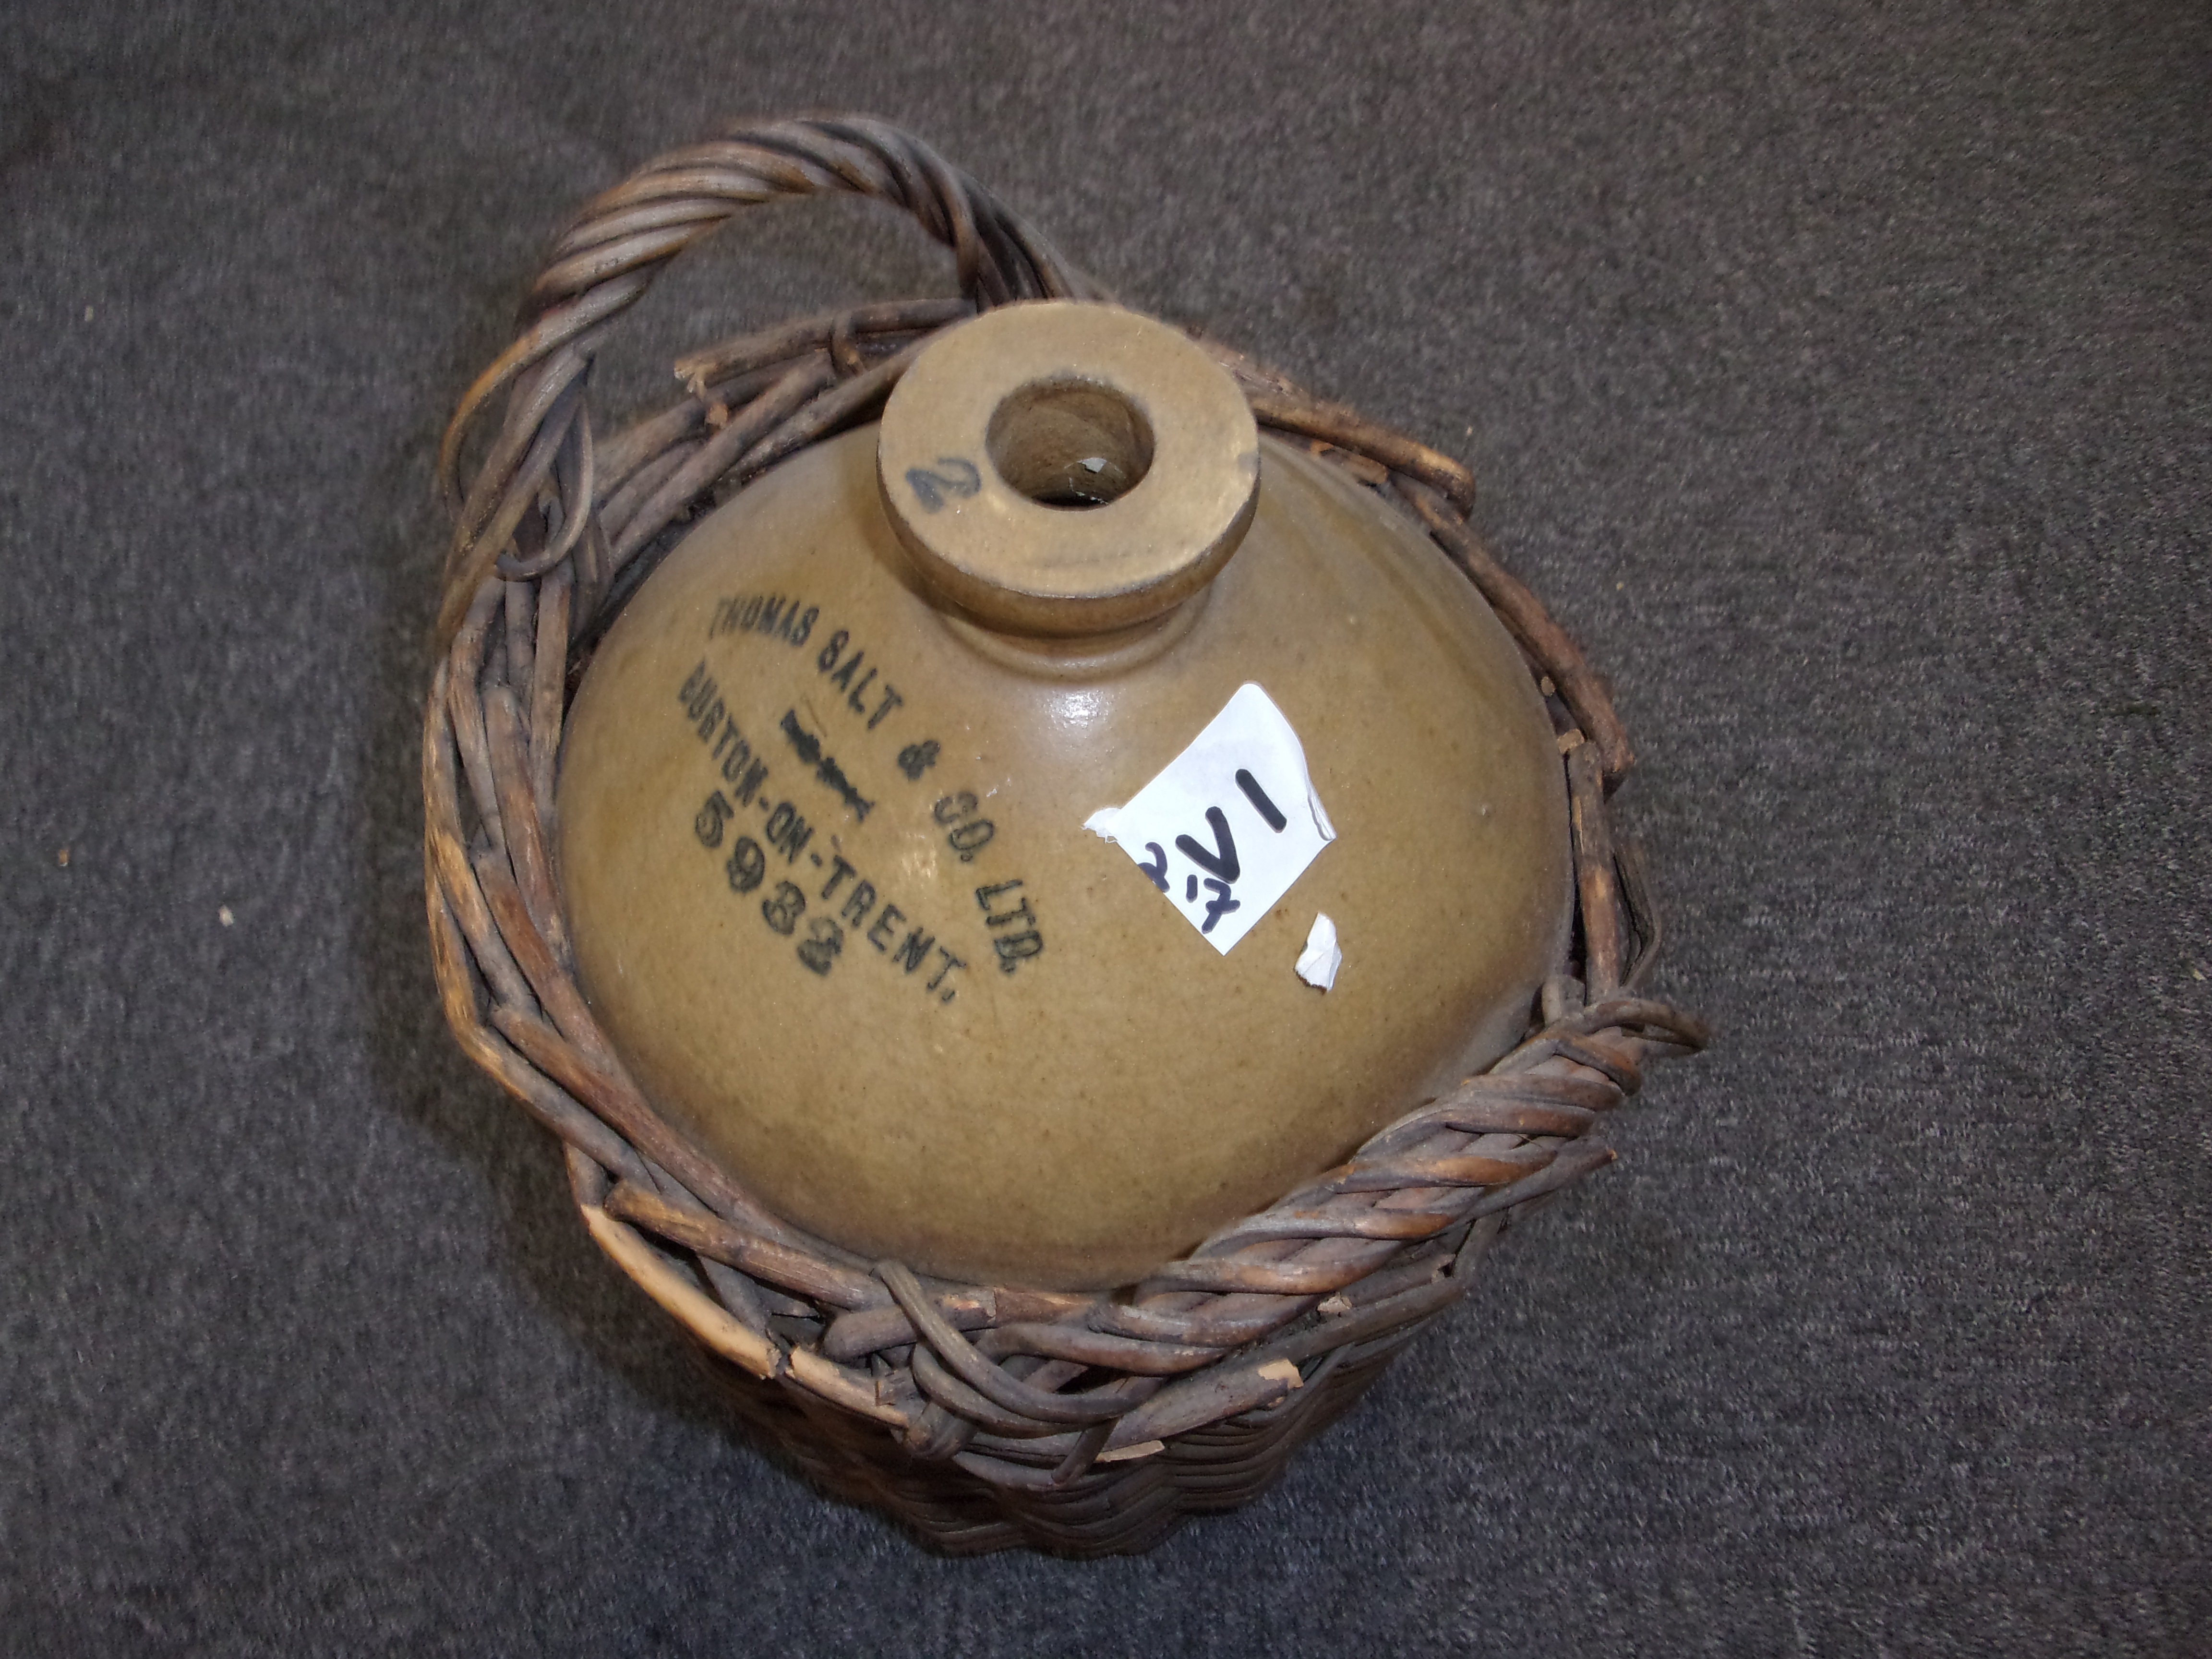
[(1318, 963), (1230, 824)]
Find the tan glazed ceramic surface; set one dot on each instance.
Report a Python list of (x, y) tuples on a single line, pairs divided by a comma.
[(822, 828)]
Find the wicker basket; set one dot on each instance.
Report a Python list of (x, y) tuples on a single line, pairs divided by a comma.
[(983, 1416)]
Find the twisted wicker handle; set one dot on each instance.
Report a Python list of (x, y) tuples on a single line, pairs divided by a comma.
[(609, 255)]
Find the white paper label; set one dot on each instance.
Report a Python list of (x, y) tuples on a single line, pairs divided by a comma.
[(1229, 823), (1318, 963)]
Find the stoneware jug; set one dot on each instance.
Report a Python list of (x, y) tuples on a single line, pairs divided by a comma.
[(830, 802)]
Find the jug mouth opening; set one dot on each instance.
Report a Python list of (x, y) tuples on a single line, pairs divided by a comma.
[(1069, 444), (1066, 470)]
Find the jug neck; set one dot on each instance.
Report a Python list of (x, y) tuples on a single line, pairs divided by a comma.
[(1068, 479)]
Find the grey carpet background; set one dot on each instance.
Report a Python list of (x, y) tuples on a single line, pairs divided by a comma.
[(1838, 373)]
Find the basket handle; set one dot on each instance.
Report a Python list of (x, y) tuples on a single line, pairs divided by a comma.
[(610, 254)]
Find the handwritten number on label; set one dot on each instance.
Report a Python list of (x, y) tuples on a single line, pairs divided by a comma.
[(1222, 865), (958, 477), (1221, 861), (1224, 830), (1218, 906), (1258, 797)]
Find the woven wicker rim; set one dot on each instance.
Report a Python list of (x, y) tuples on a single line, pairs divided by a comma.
[(1021, 1389)]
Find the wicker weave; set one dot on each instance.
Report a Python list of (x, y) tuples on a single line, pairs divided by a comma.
[(983, 1416)]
